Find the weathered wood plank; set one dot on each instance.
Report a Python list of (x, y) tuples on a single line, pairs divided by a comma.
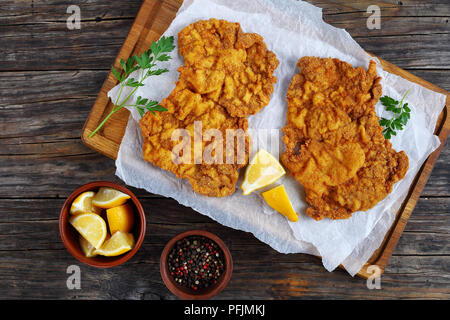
[(411, 51), (260, 272), (25, 124), (411, 8), (33, 224), (351, 15), (355, 23), (42, 274), (55, 176), (18, 88), (54, 47), (437, 77), (430, 215), (44, 42), (439, 181), (45, 11), (19, 12)]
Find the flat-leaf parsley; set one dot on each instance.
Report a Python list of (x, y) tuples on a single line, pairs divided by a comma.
[(146, 61), (401, 111)]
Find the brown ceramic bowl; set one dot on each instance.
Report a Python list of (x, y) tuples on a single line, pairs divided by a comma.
[(187, 293), (70, 236)]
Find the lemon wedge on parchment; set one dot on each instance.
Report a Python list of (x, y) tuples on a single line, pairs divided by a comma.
[(263, 170), (278, 199)]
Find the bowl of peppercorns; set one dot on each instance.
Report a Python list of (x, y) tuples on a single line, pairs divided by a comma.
[(196, 265)]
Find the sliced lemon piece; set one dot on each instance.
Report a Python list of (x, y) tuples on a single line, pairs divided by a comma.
[(83, 204), (87, 247), (91, 226), (278, 199), (108, 198), (120, 218), (119, 243), (263, 170)]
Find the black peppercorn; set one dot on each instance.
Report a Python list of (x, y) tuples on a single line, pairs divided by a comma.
[(198, 262)]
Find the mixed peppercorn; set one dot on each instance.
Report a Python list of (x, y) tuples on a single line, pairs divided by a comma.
[(196, 262)]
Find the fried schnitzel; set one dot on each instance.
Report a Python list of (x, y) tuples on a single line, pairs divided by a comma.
[(230, 67), (334, 144), (227, 75)]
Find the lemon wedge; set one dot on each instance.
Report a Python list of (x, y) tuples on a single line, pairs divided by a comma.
[(91, 226), (278, 199), (119, 243), (108, 198), (83, 204), (87, 248), (263, 170), (120, 218)]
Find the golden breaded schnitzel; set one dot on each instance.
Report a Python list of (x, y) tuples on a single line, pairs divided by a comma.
[(227, 75), (334, 144)]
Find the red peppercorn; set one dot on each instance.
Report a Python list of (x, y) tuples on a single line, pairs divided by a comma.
[(195, 263)]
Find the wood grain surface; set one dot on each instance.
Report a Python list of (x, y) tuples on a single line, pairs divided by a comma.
[(50, 77)]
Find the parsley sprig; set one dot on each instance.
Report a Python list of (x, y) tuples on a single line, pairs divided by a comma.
[(147, 62), (401, 111)]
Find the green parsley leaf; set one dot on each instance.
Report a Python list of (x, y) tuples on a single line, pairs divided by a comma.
[(159, 108), (141, 111), (151, 104), (116, 74), (388, 101), (401, 115), (145, 61)]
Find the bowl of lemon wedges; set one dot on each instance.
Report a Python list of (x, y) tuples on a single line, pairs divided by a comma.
[(102, 224)]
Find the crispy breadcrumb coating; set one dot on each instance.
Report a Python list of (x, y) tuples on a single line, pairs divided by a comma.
[(227, 75), (334, 144)]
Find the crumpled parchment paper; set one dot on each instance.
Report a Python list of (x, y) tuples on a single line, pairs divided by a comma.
[(291, 29)]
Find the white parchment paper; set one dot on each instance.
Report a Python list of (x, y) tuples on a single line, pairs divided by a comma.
[(291, 29)]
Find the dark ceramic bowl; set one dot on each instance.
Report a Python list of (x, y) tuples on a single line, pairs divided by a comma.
[(187, 293), (70, 236)]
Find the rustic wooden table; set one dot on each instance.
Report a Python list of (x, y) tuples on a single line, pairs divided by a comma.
[(49, 79)]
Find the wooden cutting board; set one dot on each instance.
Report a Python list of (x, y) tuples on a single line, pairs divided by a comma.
[(152, 20)]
